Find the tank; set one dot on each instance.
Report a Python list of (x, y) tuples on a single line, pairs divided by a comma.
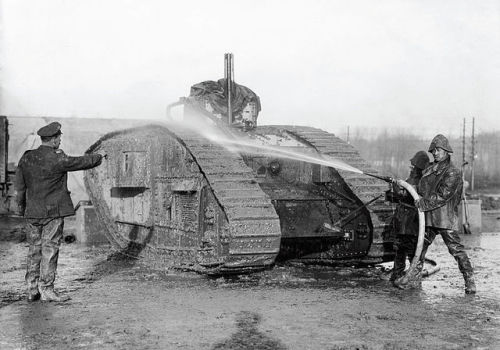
[(174, 194)]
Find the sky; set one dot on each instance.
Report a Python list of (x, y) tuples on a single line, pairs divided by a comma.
[(365, 65)]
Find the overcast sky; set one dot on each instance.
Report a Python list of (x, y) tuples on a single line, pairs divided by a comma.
[(416, 64)]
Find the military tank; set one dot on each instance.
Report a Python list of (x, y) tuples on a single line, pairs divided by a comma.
[(218, 194)]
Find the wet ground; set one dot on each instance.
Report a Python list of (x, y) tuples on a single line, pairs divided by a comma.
[(120, 304)]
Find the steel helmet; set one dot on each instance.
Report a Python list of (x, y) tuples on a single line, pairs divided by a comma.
[(442, 142)]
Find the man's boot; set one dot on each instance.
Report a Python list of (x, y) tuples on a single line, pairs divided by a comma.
[(33, 295), (412, 278), (467, 271), (399, 266), (49, 294), (470, 284)]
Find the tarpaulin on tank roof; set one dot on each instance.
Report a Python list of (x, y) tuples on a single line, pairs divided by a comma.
[(215, 93)]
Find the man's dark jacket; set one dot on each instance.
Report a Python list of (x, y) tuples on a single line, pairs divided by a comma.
[(41, 181), (406, 215), (441, 190)]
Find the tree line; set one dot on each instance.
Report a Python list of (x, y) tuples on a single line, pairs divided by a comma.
[(391, 153)]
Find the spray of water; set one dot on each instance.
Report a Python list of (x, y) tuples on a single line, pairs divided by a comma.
[(252, 146), (244, 146)]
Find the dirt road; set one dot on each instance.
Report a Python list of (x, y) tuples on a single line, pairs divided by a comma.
[(122, 304)]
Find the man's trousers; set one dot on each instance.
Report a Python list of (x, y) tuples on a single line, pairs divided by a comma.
[(44, 238), (455, 248)]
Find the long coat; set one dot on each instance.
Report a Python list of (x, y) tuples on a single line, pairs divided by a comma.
[(41, 181), (406, 215), (441, 188)]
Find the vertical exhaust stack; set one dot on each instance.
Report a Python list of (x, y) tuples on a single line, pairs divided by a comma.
[(229, 76)]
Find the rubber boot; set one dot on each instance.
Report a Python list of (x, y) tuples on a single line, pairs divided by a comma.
[(467, 270), (49, 294), (412, 279), (399, 266), (470, 284)]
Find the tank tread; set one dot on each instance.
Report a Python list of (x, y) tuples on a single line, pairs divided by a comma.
[(253, 221), (364, 187), (253, 230)]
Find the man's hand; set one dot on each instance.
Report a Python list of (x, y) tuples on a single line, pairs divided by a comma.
[(103, 156), (417, 203)]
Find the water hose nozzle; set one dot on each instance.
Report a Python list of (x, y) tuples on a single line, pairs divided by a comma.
[(387, 179)]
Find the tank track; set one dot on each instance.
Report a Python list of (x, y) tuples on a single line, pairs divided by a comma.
[(253, 233), (364, 187), (254, 226)]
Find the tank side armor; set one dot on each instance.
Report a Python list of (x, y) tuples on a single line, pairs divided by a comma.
[(365, 188), (190, 192)]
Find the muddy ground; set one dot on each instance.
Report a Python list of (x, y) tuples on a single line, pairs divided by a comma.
[(118, 303)]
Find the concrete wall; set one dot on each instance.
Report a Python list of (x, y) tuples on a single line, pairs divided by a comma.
[(88, 229)]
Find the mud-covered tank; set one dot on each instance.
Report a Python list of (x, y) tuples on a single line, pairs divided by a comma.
[(219, 198)]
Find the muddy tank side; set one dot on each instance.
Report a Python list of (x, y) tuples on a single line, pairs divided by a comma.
[(320, 195), (306, 196), (253, 223), (169, 198)]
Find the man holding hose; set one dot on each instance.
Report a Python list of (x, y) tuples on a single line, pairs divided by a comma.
[(440, 189), (406, 220)]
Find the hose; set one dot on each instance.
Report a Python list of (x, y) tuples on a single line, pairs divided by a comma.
[(421, 222), (433, 270), (421, 233)]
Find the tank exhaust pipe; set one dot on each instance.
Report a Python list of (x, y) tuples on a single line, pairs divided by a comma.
[(229, 76)]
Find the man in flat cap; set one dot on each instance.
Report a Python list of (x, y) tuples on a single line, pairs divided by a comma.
[(44, 200), (440, 189), (406, 220)]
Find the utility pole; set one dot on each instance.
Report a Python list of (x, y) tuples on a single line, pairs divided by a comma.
[(463, 146), (472, 157), (347, 133)]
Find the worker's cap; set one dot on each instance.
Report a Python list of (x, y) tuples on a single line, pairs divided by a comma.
[(441, 142), (52, 129), (420, 160)]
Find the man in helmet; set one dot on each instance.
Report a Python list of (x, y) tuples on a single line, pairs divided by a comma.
[(43, 199), (406, 219), (440, 189)]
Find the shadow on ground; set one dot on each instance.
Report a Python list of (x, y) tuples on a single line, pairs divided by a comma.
[(248, 336)]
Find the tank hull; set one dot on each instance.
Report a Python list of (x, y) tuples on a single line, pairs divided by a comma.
[(178, 198), (308, 195)]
